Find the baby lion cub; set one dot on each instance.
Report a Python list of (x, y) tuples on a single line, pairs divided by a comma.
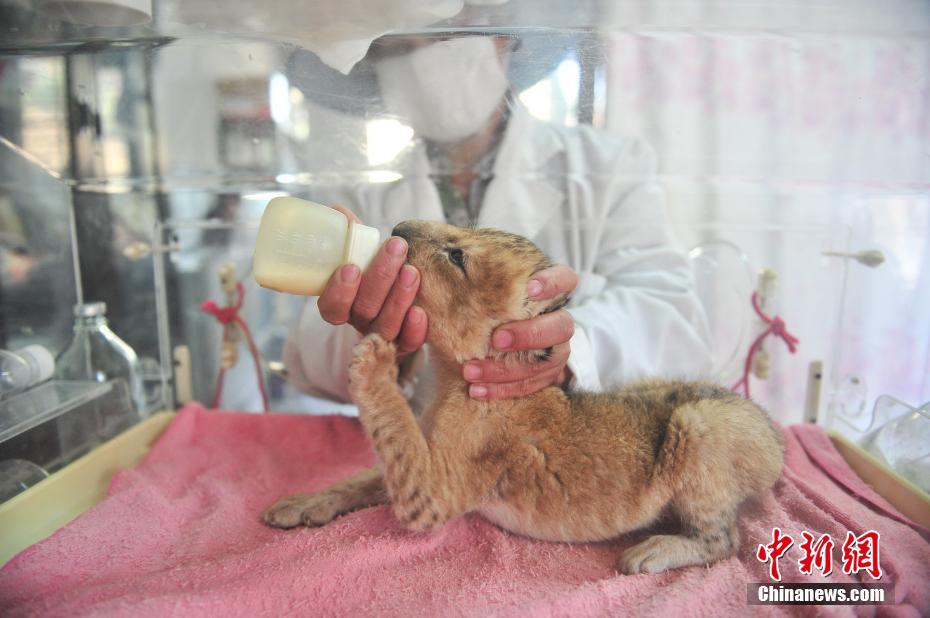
[(558, 466)]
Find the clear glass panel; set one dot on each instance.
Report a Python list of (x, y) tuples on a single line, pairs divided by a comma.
[(789, 132), (37, 270), (200, 250), (53, 424)]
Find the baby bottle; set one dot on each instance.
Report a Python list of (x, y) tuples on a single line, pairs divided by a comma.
[(300, 245)]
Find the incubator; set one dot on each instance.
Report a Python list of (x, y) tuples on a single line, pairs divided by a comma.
[(789, 141)]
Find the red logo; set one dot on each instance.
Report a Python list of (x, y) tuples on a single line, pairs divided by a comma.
[(819, 554), (860, 553), (773, 551)]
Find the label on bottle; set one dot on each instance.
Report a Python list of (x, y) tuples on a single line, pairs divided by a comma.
[(305, 247)]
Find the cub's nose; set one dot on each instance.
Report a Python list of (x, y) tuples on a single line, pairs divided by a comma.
[(404, 229)]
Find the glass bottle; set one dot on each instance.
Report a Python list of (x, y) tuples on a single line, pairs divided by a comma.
[(96, 354)]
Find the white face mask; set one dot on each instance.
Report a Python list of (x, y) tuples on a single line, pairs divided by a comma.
[(446, 90)]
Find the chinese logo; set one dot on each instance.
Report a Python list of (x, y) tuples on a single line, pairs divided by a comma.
[(859, 553)]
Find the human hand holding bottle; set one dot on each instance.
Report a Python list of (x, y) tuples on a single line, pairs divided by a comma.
[(380, 299)]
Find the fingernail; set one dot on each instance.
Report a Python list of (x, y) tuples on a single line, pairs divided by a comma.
[(472, 372), (396, 247), (534, 288), (502, 339), (477, 392), (408, 276), (415, 317), (350, 273)]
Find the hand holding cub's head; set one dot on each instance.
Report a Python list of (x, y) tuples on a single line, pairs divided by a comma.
[(471, 282)]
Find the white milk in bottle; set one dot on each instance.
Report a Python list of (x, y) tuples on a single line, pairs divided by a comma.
[(300, 245)]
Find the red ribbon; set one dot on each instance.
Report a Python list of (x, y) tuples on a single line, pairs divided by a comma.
[(776, 326), (230, 315), (225, 315)]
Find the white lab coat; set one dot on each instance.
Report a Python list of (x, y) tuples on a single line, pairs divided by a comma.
[(586, 198)]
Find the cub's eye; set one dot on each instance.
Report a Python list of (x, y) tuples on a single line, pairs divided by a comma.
[(457, 257)]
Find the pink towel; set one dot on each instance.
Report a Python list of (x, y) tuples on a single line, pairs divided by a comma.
[(181, 535)]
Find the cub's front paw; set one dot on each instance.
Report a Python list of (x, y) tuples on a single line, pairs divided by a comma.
[(303, 510), (658, 553), (373, 360)]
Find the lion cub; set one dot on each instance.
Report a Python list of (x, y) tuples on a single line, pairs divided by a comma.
[(558, 466)]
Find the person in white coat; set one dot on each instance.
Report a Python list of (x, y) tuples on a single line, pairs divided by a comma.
[(586, 198)]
